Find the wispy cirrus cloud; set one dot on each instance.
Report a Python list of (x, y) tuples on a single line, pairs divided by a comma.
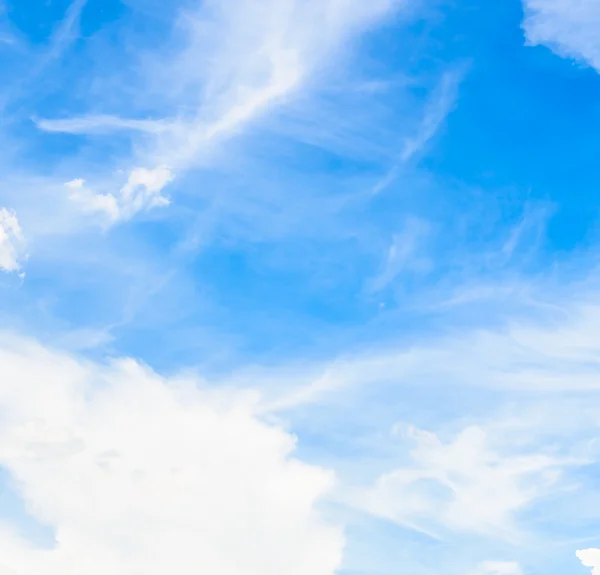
[(65, 34), (40, 60), (404, 254), (12, 241), (440, 105), (252, 55), (492, 434), (545, 347), (269, 51), (102, 124), (463, 486)]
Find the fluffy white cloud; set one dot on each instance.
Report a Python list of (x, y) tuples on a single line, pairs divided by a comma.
[(590, 558), (570, 28), (141, 475), (91, 202), (142, 191), (12, 241)]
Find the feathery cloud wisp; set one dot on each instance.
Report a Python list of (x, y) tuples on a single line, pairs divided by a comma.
[(462, 486), (237, 61), (103, 124), (12, 241)]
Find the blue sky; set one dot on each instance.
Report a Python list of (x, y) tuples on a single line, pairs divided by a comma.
[(299, 286)]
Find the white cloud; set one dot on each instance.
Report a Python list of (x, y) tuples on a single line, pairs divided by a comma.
[(75, 184), (441, 103), (499, 568), (142, 191), (239, 59), (91, 202), (138, 474), (570, 28), (101, 124), (554, 350), (67, 31), (507, 464), (403, 254), (590, 558), (12, 241), (462, 486), (246, 56)]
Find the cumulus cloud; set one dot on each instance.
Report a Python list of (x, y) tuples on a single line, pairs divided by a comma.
[(571, 29), (590, 558), (92, 202), (138, 474), (142, 191), (12, 241)]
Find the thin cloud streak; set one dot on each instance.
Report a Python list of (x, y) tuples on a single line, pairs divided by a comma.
[(441, 103), (553, 351), (12, 242), (65, 34), (102, 124)]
